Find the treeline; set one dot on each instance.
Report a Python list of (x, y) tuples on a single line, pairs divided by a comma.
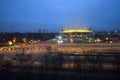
[(25, 37)]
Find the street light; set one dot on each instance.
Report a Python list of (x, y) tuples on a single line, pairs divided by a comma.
[(59, 39), (10, 43), (14, 40), (24, 40), (106, 39)]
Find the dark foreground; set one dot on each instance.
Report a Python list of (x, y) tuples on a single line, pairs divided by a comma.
[(58, 74), (65, 67)]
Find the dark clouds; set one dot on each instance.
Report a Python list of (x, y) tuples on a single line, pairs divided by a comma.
[(31, 15)]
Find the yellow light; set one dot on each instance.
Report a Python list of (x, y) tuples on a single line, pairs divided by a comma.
[(111, 42), (10, 43), (24, 40), (14, 40), (106, 38), (75, 30)]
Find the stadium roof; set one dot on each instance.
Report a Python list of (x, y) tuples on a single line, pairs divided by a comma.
[(76, 30)]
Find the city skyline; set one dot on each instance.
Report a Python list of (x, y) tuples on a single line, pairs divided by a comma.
[(53, 15)]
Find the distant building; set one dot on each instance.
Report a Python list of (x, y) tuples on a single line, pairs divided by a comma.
[(77, 35)]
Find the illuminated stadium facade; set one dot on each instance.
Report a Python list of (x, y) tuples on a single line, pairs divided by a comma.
[(77, 35)]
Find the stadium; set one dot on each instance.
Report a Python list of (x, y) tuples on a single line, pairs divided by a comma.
[(75, 35)]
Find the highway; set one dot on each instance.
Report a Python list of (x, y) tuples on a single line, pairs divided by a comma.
[(64, 48)]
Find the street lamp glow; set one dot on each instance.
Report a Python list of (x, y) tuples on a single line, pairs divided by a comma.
[(59, 37), (14, 40), (10, 43), (59, 41), (24, 40)]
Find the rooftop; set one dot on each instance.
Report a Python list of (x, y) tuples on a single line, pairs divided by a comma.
[(75, 30)]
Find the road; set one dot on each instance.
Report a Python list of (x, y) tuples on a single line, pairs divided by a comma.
[(65, 48)]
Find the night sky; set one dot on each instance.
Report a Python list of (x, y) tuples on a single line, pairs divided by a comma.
[(31, 15)]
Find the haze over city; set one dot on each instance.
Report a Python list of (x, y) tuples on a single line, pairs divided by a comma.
[(31, 15)]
